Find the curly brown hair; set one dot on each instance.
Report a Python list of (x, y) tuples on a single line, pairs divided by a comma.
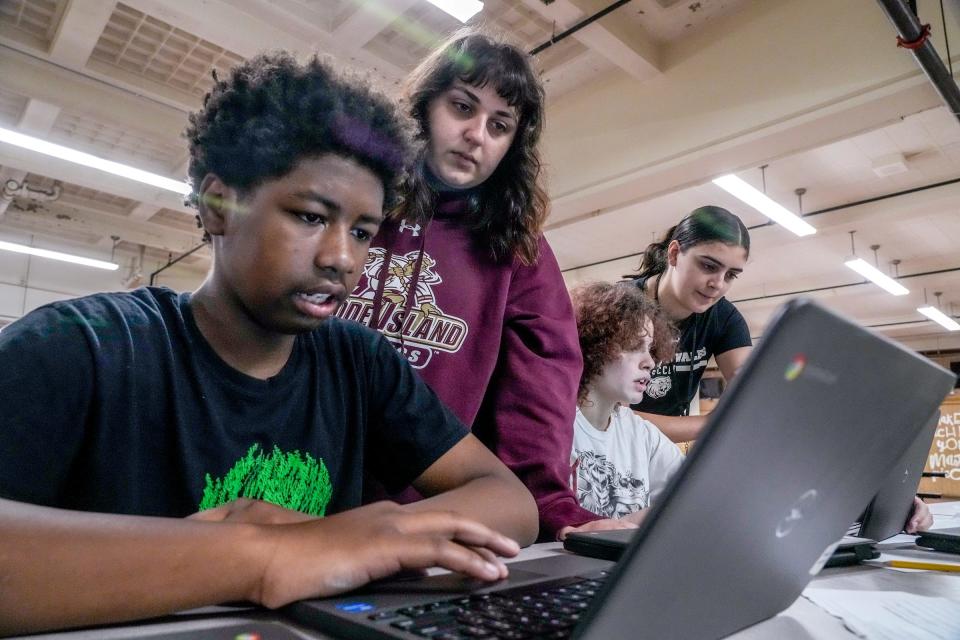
[(511, 206), (611, 319)]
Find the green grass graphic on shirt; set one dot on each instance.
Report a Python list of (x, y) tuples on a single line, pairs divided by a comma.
[(289, 480)]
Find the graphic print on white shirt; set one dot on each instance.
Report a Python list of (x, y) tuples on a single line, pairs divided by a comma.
[(621, 470), (427, 329), (605, 491)]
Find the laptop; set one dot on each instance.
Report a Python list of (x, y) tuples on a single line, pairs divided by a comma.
[(794, 449), (887, 513), (884, 517)]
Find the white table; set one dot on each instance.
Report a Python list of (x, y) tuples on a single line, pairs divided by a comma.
[(801, 621)]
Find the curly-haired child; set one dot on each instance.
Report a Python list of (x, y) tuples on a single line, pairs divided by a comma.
[(619, 462)]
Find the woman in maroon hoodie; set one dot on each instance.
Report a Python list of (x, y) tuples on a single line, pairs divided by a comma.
[(462, 280)]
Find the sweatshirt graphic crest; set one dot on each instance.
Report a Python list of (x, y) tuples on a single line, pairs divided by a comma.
[(427, 329)]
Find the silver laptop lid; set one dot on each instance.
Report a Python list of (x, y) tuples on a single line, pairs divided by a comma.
[(790, 456)]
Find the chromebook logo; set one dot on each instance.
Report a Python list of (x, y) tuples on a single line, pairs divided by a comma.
[(795, 368)]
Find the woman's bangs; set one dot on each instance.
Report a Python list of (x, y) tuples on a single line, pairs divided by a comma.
[(505, 70)]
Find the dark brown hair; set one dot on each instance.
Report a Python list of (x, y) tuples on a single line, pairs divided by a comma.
[(509, 209), (705, 224), (270, 112), (611, 319)]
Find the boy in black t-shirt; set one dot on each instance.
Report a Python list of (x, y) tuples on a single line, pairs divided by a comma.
[(243, 402)]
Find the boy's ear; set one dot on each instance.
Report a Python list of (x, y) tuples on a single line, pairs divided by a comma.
[(673, 250), (215, 203)]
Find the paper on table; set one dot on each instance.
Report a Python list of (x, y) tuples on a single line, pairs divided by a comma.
[(890, 615)]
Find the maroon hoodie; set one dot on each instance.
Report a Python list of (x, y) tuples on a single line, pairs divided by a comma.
[(497, 341)]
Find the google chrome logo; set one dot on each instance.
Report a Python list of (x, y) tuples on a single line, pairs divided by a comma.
[(795, 368)]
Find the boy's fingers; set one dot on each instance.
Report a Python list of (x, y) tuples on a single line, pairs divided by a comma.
[(423, 552), (492, 558), (459, 529)]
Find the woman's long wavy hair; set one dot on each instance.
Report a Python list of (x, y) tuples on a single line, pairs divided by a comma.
[(510, 207), (705, 224)]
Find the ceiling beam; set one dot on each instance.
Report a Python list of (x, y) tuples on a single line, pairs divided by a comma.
[(248, 27), (73, 90), (58, 219), (841, 120), (629, 49), (144, 212), (38, 118), (33, 162), (79, 30), (368, 20)]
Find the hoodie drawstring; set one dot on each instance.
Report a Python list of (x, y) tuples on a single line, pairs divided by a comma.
[(411, 291)]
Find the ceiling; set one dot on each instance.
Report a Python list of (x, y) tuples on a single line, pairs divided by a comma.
[(674, 94)]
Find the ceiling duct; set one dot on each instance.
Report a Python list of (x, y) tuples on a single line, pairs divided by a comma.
[(915, 37)]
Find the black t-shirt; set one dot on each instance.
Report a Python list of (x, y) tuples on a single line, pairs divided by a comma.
[(673, 385), (117, 403)]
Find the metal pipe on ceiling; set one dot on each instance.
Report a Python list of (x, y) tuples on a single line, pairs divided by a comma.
[(839, 207), (580, 25), (841, 286), (914, 36), (172, 261)]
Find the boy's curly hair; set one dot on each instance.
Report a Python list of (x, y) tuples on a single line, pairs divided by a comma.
[(271, 112), (611, 319)]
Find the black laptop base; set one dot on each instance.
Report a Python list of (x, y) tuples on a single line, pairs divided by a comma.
[(947, 540), (544, 610), (610, 545)]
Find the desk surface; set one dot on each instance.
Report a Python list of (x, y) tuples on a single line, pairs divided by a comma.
[(801, 621)]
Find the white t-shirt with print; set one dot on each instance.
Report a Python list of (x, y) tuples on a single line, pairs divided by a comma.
[(619, 471)]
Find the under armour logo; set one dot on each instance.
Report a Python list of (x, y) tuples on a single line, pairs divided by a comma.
[(415, 228)]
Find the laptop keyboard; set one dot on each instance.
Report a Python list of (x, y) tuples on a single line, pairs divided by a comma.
[(544, 610)]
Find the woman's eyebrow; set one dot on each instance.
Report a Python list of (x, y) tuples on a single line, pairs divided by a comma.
[(476, 99), (720, 264)]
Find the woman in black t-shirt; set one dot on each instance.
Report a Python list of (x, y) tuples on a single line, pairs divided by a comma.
[(688, 272)]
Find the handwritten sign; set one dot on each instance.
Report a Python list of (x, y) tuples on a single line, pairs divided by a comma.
[(945, 452)]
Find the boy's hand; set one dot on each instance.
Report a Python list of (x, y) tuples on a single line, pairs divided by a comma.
[(920, 517), (598, 525), (250, 512), (338, 553)]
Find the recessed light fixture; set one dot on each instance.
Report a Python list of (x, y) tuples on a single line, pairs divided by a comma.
[(759, 201), (79, 157), (462, 10), (57, 255)]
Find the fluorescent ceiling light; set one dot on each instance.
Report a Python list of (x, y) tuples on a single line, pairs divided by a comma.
[(940, 318), (462, 10), (878, 277), (87, 160), (759, 201), (56, 255)]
